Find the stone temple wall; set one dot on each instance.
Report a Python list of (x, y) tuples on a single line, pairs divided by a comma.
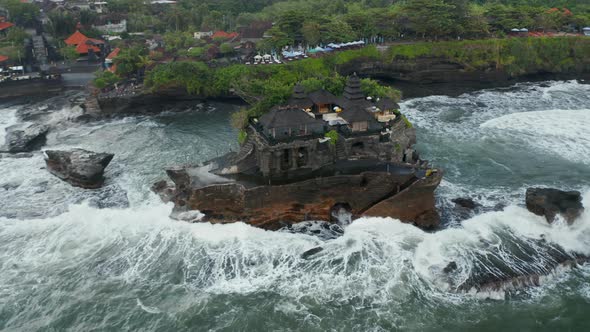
[(309, 154)]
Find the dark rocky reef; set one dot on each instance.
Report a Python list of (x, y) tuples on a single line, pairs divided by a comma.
[(408, 196), (80, 168), (550, 203), (25, 138)]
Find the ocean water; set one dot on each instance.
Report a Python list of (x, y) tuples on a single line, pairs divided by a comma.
[(67, 265)]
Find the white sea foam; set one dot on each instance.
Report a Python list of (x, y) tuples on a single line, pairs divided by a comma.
[(8, 118), (565, 133), (377, 259), (151, 310)]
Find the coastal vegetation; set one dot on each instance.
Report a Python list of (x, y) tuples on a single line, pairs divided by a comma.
[(333, 136), (515, 56), (264, 86), (323, 21)]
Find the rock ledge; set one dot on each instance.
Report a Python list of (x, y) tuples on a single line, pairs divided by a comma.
[(80, 168)]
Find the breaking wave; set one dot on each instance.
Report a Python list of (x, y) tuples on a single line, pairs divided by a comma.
[(68, 265), (377, 260), (564, 133)]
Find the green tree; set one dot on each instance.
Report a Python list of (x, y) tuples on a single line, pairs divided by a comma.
[(132, 60), (277, 40), (312, 33), (337, 31), (226, 48), (105, 78), (17, 35), (21, 13), (69, 53), (430, 17), (290, 23)]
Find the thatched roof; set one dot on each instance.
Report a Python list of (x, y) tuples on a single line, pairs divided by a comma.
[(287, 117)]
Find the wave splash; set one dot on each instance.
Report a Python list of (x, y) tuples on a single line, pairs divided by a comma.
[(565, 133), (376, 259)]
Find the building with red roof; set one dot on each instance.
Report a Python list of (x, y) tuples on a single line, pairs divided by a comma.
[(113, 54), (223, 34), (5, 25), (76, 38), (84, 44), (3, 58), (109, 60)]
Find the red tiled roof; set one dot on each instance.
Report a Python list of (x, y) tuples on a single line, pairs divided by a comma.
[(3, 58), (223, 34), (83, 43), (114, 53), (5, 25), (76, 38), (85, 47)]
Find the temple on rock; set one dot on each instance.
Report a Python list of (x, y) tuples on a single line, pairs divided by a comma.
[(314, 130), (316, 157)]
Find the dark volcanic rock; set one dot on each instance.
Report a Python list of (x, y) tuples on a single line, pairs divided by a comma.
[(452, 266), (367, 194), (466, 203), (163, 189), (311, 252), (109, 197), (551, 202), (81, 168), (25, 138)]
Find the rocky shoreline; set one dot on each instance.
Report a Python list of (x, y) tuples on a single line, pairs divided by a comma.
[(448, 80), (408, 197)]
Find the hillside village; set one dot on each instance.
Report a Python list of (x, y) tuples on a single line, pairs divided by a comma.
[(111, 41)]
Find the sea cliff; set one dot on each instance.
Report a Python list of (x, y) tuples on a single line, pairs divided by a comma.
[(489, 62)]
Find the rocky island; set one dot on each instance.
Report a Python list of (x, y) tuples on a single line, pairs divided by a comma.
[(317, 157)]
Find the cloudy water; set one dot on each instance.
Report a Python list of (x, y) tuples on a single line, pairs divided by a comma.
[(65, 264)]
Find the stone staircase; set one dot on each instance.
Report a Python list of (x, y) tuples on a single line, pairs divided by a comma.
[(246, 158), (245, 150), (340, 148)]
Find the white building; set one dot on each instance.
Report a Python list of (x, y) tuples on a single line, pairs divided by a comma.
[(100, 6), (586, 31), (202, 34), (113, 27)]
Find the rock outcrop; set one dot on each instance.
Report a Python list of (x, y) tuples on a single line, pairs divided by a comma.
[(466, 203), (405, 196), (550, 202), (414, 204), (25, 138), (80, 168)]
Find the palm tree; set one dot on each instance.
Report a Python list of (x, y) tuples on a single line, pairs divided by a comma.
[(143, 61)]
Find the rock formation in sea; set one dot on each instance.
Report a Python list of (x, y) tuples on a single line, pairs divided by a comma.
[(317, 157), (550, 203), (25, 138), (80, 168)]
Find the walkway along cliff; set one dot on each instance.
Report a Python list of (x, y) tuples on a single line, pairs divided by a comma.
[(318, 157)]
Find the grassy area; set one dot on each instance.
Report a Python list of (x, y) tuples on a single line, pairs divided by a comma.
[(514, 55)]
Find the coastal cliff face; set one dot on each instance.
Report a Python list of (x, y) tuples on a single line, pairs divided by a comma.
[(401, 196), (413, 204), (438, 70), (424, 70)]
